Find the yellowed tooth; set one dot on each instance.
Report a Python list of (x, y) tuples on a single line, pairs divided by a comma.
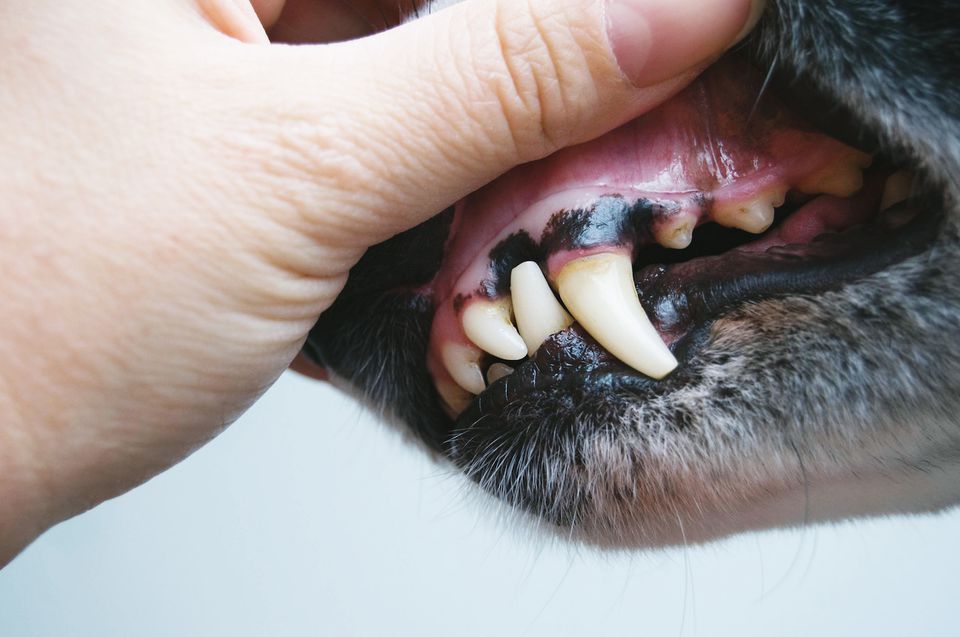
[(463, 365), (454, 398), (841, 179), (675, 232), (599, 292), (843, 182), (498, 371), (752, 216), (898, 188), (537, 310), (488, 326)]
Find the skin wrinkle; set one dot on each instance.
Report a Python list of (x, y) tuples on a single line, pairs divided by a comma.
[(514, 94), (491, 115)]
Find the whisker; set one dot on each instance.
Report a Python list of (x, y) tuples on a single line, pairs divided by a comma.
[(764, 86)]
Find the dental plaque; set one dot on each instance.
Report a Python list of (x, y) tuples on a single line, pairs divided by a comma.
[(559, 244)]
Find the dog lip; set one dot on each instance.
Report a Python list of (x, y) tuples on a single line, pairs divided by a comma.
[(684, 299)]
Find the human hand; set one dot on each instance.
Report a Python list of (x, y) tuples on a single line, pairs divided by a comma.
[(183, 199)]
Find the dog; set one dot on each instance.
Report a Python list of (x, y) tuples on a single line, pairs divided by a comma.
[(795, 380)]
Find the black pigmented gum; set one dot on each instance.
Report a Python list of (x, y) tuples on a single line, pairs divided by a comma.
[(610, 221), (504, 257)]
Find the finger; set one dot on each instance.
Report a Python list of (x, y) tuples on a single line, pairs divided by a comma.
[(401, 124)]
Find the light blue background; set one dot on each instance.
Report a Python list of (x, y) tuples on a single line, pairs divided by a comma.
[(310, 518)]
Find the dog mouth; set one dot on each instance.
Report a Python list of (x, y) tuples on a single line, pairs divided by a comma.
[(610, 260)]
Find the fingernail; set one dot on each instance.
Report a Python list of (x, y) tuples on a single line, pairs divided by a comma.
[(655, 40)]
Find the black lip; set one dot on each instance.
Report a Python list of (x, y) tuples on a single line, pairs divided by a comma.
[(684, 299)]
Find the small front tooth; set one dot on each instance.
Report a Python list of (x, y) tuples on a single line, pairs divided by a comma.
[(463, 365), (675, 232), (753, 216), (599, 292), (454, 398), (498, 371), (898, 188), (488, 326), (537, 310)]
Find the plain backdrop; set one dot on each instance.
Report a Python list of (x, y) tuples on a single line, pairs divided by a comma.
[(309, 517)]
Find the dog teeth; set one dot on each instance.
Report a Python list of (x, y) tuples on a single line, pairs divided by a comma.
[(675, 232), (537, 310), (754, 216), (599, 292), (898, 188), (488, 326), (463, 364), (840, 180), (843, 183), (455, 398), (498, 371)]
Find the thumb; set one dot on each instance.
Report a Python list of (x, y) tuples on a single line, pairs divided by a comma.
[(393, 128)]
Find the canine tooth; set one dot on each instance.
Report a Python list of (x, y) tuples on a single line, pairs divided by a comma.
[(536, 309), (599, 292), (898, 187), (753, 216), (463, 365), (455, 398), (488, 326), (498, 371), (676, 232)]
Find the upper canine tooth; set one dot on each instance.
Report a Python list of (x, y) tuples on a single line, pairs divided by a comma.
[(753, 216), (898, 188), (463, 365), (537, 310), (599, 292), (487, 324)]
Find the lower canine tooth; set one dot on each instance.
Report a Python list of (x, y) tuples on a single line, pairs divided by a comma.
[(752, 216), (498, 371), (537, 310), (599, 292), (455, 398), (487, 324), (898, 188), (463, 365)]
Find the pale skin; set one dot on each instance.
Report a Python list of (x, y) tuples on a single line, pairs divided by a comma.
[(182, 199)]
